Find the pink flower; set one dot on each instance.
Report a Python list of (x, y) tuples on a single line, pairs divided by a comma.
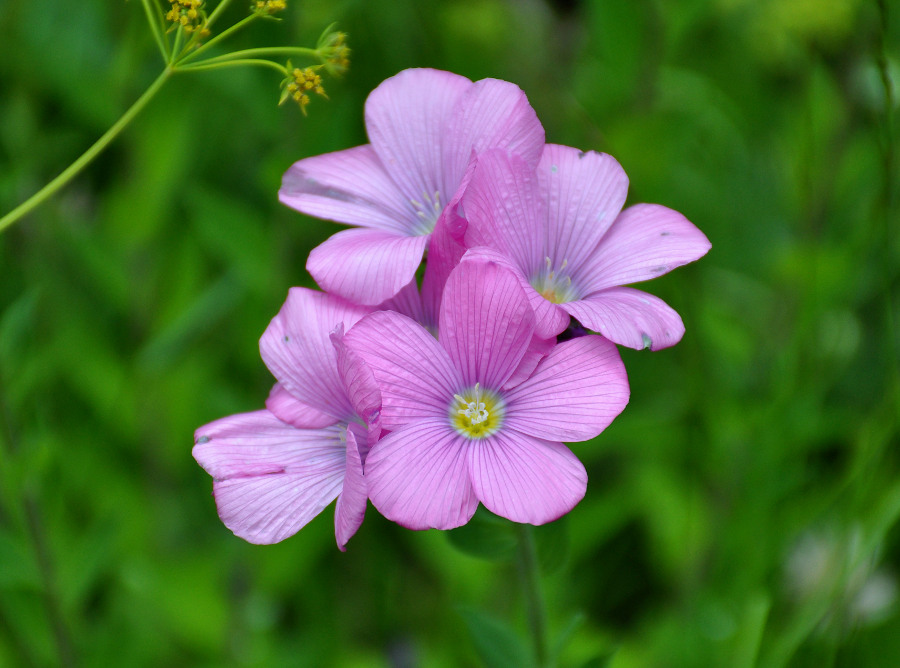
[(276, 469), (464, 426), (424, 126), (563, 230)]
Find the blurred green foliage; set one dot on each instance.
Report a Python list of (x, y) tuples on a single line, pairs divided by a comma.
[(743, 511)]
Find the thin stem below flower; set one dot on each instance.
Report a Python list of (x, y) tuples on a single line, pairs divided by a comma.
[(530, 577), (85, 159)]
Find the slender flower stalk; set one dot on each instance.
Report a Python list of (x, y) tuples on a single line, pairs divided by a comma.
[(86, 158), (530, 577), (191, 25)]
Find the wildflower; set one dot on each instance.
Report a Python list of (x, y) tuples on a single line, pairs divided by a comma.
[(563, 230), (276, 469), (424, 126), (464, 425), (299, 84)]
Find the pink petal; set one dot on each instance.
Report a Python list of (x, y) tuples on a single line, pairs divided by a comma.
[(537, 350), (445, 250), (584, 194), (407, 302), (298, 351), (287, 408), (491, 114), (418, 476), (573, 394), (270, 478), (415, 375), (406, 118), (362, 390), (645, 241), (526, 479), (366, 266), (629, 317), (549, 318), (486, 322), (350, 509), (349, 186), (505, 210)]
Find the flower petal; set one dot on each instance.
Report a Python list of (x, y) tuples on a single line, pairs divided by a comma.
[(490, 114), (549, 318), (406, 117), (415, 375), (349, 186), (645, 241), (270, 478), (584, 194), (486, 323), (526, 479), (350, 509), (573, 394), (297, 349), (366, 266), (287, 408), (362, 390), (418, 476), (629, 317), (505, 210)]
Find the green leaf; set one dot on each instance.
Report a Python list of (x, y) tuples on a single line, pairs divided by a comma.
[(498, 645), (486, 536)]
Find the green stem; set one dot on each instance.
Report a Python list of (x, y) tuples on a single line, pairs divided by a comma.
[(215, 13), (186, 58), (265, 51), (206, 65), (155, 22), (85, 159), (530, 576)]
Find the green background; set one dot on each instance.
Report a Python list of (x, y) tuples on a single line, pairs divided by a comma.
[(742, 511)]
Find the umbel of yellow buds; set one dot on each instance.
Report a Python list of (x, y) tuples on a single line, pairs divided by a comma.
[(268, 7), (333, 51), (189, 14), (299, 84)]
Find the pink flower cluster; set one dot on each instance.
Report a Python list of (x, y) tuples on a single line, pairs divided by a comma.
[(430, 398)]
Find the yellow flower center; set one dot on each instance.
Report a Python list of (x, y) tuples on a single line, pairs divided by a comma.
[(476, 413), (553, 284)]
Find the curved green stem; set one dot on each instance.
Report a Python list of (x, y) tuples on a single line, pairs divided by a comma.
[(530, 576), (265, 51), (87, 156), (205, 65)]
